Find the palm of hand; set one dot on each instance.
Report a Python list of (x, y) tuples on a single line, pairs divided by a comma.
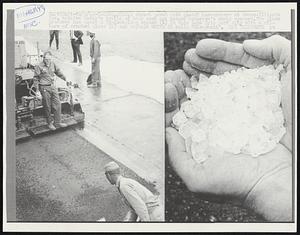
[(231, 174)]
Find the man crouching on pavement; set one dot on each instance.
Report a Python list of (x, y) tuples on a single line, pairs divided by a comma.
[(44, 74), (143, 204)]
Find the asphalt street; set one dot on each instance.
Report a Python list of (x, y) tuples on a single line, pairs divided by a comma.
[(127, 126), (60, 177)]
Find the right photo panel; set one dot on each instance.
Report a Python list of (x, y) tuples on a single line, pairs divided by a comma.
[(228, 119)]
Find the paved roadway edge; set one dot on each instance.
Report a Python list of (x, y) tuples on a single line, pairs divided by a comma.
[(121, 153)]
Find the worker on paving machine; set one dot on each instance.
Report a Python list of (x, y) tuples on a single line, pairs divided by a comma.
[(143, 204), (44, 75)]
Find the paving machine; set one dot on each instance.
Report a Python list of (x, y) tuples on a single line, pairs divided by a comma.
[(30, 115)]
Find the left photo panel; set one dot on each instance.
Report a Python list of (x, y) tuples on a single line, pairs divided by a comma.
[(89, 126)]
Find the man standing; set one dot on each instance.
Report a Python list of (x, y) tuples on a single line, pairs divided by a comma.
[(44, 75), (143, 204), (95, 59), (76, 41), (54, 33)]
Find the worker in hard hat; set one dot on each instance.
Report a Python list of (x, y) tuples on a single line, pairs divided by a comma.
[(44, 76), (143, 204)]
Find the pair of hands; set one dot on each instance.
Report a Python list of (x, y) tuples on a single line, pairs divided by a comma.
[(263, 184)]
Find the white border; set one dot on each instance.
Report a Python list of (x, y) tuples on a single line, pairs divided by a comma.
[(153, 227)]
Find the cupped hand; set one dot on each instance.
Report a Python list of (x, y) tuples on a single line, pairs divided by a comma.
[(213, 56), (263, 183), (248, 179)]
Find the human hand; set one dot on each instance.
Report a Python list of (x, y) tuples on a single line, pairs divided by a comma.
[(93, 60), (264, 183), (130, 216), (38, 95), (213, 56)]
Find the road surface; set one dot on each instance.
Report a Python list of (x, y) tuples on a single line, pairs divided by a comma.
[(60, 177)]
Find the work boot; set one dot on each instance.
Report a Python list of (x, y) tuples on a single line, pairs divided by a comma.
[(61, 124), (51, 127), (80, 64)]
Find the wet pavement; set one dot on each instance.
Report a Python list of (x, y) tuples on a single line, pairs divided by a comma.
[(125, 118), (127, 126), (60, 176)]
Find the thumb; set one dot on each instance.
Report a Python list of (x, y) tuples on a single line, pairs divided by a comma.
[(275, 48), (171, 98), (176, 143)]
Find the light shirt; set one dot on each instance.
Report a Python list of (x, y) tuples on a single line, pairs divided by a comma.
[(45, 74), (137, 197)]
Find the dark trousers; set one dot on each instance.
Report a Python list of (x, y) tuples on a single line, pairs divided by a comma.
[(76, 51), (50, 100), (54, 33)]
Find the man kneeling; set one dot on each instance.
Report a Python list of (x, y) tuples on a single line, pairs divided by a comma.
[(143, 204)]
